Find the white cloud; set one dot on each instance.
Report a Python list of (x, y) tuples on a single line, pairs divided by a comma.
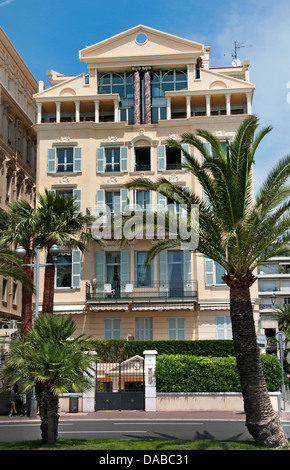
[(6, 2)]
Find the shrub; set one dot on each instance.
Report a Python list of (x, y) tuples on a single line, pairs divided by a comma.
[(182, 373)]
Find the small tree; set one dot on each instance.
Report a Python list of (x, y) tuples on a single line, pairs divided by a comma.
[(61, 224), (48, 359)]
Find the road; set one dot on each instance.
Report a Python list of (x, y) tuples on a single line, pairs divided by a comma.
[(124, 429)]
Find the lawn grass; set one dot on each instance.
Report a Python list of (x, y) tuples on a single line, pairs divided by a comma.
[(133, 444)]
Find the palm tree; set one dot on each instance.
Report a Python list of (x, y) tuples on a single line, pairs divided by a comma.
[(283, 316), (10, 266), (61, 224), (48, 359), (238, 233), (18, 225)]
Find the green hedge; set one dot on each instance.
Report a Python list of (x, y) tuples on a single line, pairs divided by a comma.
[(182, 373), (121, 349)]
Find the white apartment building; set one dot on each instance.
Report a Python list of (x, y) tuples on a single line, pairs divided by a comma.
[(95, 132)]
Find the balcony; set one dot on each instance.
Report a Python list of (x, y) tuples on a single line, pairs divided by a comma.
[(158, 294)]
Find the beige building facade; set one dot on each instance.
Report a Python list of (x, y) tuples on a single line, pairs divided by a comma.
[(17, 155), (96, 132)]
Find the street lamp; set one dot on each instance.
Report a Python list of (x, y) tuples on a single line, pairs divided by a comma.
[(54, 251)]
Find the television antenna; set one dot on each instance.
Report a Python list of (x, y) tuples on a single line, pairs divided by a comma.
[(235, 61)]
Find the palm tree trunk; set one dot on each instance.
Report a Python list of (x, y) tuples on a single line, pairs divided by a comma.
[(48, 411), (26, 307), (48, 291), (261, 420)]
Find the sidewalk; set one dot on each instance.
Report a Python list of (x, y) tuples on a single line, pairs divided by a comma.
[(149, 415)]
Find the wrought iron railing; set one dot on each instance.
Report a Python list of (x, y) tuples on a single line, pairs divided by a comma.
[(135, 291)]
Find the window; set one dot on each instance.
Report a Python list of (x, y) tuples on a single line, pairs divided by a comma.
[(223, 327), (143, 199), (113, 201), (64, 270), (65, 160), (143, 274), (112, 328), (4, 289), (112, 159), (176, 328), (142, 159), (170, 80), (144, 329), (173, 158), (68, 269), (113, 271), (121, 83), (14, 293)]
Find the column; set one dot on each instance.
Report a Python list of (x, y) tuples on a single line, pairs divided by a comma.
[(188, 106), (58, 111), (137, 98), (147, 96), (249, 103), (150, 381), (39, 113), (207, 100), (168, 108), (116, 111), (228, 104), (77, 111), (97, 112), (89, 395)]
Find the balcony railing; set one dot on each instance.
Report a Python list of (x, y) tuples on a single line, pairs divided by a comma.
[(132, 291)]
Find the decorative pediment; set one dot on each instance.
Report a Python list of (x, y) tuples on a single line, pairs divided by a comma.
[(139, 44)]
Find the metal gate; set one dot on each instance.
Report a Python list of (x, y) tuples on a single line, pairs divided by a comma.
[(120, 386)]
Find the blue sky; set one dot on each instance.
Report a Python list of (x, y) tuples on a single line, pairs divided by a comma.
[(49, 35)]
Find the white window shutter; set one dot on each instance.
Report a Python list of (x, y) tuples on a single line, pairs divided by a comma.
[(78, 194), (124, 198), (124, 269), (161, 202), (51, 160), (100, 160), (161, 157), (187, 270), (124, 159), (186, 149), (77, 159), (76, 269), (209, 272), (100, 267)]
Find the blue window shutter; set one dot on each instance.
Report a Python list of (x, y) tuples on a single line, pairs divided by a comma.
[(187, 270), (100, 160), (77, 159), (186, 149), (78, 194), (100, 200), (76, 269), (124, 268), (209, 272), (124, 159), (162, 202), (124, 198), (163, 271), (100, 267), (51, 160), (161, 157)]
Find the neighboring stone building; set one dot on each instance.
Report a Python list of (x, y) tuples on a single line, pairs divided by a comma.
[(97, 131), (17, 154)]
